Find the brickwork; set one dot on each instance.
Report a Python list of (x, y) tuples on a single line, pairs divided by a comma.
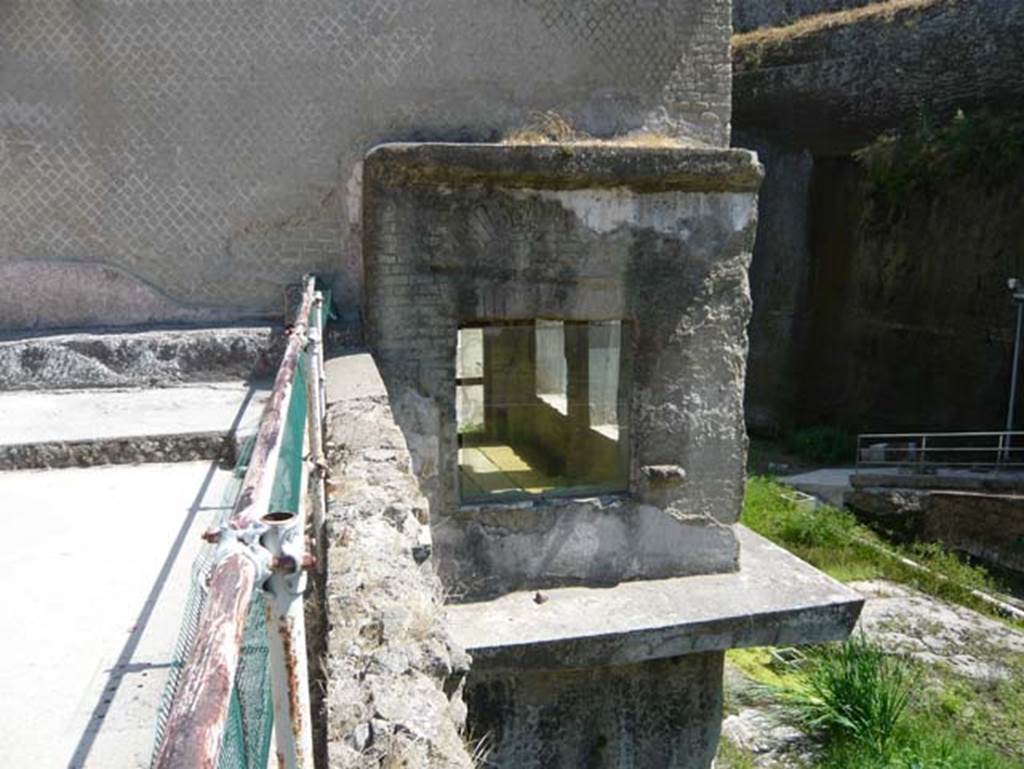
[(451, 239)]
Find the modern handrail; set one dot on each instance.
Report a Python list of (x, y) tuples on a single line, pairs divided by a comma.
[(981, 449), (255, 546)]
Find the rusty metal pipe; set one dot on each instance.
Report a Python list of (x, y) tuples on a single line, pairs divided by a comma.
[(286, 641), (195, 723), (315, 422)]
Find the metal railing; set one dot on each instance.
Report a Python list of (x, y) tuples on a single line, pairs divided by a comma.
[(997, 450), (260, 546)]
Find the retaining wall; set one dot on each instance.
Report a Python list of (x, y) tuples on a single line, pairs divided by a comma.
[(169, 162)]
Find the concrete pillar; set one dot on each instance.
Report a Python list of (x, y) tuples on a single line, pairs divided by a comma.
[(577, 361), (659, 714)]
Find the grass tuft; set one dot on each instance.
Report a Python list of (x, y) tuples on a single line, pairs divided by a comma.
[(552, 128), (854, 692)]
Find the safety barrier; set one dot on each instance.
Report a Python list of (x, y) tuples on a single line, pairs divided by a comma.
[(927, 451), (262, 546)]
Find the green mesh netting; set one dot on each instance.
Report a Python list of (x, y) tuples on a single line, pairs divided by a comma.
[(247, 734), (248, 730), (287, 490)]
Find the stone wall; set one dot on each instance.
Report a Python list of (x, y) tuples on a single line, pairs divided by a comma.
[(779, 286), (656, 237), (162, 162), (873, 321), (392, 675), (986, 525), (835, 83)]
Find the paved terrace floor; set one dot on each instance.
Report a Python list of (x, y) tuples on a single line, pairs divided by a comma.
[(97, 570), (98, 567)]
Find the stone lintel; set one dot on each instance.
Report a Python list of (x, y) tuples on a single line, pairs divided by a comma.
[(774, 599), (568, 166)]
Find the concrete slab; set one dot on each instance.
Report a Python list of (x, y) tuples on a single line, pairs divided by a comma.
[(98, 584), (829, 484), (87, 427), (774, 599)]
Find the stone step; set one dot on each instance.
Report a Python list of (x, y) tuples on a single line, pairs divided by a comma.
[(80, 428)]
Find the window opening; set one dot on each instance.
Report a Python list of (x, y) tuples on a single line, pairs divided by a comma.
[(541, 409)]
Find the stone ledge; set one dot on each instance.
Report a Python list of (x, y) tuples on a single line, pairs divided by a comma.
[(995, 482), (138, 357), (568, 166), (774, 599)]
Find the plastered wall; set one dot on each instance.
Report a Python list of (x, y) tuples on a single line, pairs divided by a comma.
[(182, 161)]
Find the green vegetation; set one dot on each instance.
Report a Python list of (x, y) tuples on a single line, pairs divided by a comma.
[(835, 542), (984, 145), (854, 693), (864, 707), (822, 444), (874, 710)]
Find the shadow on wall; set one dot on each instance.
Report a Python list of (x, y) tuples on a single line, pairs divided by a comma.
[(877, 317)]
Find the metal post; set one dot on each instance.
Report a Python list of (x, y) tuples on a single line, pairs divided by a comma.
[(315, 421), (286, 640), (1018, 298)]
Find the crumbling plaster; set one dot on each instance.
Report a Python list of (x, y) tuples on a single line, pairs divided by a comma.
[(660, 238)]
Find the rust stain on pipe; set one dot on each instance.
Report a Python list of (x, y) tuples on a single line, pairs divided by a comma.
[(195, 724)]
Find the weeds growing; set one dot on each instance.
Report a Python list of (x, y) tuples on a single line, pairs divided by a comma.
[(984, 145), (835, 542), (822, 444), (854, 692), (869, 709)]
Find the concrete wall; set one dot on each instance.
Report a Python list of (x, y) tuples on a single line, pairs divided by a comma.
[(660, 714), (656, 237), (174, 162)]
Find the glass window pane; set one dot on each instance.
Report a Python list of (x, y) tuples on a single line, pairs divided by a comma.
[(469, 408)]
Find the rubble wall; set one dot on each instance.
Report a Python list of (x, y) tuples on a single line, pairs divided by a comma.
[(391, 673)]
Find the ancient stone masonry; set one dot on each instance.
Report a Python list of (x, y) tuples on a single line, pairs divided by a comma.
[(139, 358), (444, 249), (751, 14), (596, 297), (835, 85), (388, 657), (161, 163), (866, 318)]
